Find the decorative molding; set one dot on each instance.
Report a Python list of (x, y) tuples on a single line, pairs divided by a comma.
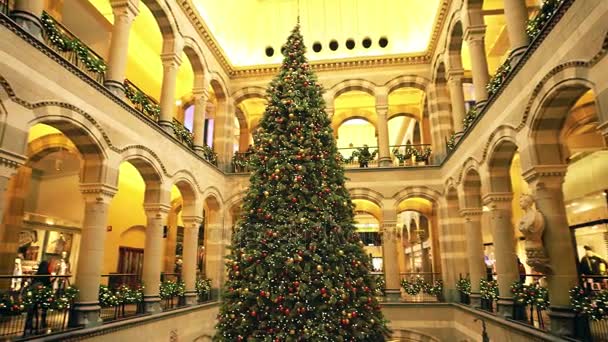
[(11, 160), (325, 65), (541, 172), (98, 190), (493, 198)]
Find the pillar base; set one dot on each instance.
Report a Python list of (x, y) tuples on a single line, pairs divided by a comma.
[(385, 162), (191, 298), (167, 126), (480, 104), (115, 88), (28, 22), (451, 295), (392, 295), (475, 299), (152, 305), (562, 320), (505, 307), (85, 315), (516, 54)]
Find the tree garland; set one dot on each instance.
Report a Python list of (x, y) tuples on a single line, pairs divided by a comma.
[(434, 290), (182, 133), (9, 306), (536, 24), (451, 143), (64, 43), (39, 296), (406, 155), (463, 285), (585, 303), (499, 77), (488, 289), (532, 294), (169, 289), (469, 118), (422, 154), (203, 287), (414, 286), (142, 101)]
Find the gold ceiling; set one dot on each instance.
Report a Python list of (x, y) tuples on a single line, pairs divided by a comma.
[(245, 28)]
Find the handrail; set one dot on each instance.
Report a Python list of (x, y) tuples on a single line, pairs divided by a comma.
[(41, 276)]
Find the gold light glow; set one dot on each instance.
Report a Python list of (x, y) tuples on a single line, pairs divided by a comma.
[(244, 28)]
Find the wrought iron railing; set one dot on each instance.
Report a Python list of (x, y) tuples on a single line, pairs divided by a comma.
[(182, 133), (411, 155), (34, 305), (241, 162), (66, 44), (363, 156), (142, 101), (5, 7), (120, 296)]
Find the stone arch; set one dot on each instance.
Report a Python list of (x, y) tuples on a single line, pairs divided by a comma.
[(149, 171), (85, 138), (454, 43), (366, 194), (471, 186), (352, 85), (416, 191), (548, 117), (189, 195), (248, 93), (166, 23), (194, 54), (502, 148), (41, 147), (407, 81)]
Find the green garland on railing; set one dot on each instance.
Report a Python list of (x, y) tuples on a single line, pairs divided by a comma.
[(488, 289), (469, 118), (38, 295), (209, 154), (463, 285), (435, 289), (182, 133), (584, 302), (412, 287), (499, 77), (451, 143), (532, 294), (203, 287), (536, 24), (406, 155), (169, 289), (142, 101), (66, 44), (10, 306), (422, 154), (380, 285)]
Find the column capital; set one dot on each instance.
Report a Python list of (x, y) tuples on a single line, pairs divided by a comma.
[(329, 111), (382, 109), (200, 93), (193, 220), (474, 33), (122, 8), (10, 162), (546, 176), (156, 209), (98, 192), (471, 214), (171, 59), (498, 200), (455, 74)]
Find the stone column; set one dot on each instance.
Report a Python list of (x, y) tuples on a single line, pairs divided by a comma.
[(391, 266), (452, 242), (200, 102), (14, 187), (171, 63), (124, 12), (516, 15), (475, 255), (457, 98), (153, 254), (384, 156), (474, 35), (214, 255), (27, 14), (97, 198), (504, 248), (191, 227), (546, 185)]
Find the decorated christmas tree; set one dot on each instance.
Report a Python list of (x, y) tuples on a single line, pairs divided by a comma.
[(297, 269)]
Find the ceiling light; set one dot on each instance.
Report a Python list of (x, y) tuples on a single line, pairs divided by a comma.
[(317, 47), (367, 42), (178, 102), (269, 51), (333, 45), (383, 42), (350, 44)]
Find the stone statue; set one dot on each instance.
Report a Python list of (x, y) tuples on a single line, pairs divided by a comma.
[(532, 226)]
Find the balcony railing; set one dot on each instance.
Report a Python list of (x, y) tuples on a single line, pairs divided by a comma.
[(120, 296), (142, 101), (536, 27), (33, 305), (4, 7), (72, 49), (421, 287)]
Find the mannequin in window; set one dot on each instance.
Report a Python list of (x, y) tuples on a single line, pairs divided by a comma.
[(591, 263), (59, 243), (17, 272), (61, 268)]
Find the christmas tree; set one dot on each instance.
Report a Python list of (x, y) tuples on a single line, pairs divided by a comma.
[(297, 270)]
